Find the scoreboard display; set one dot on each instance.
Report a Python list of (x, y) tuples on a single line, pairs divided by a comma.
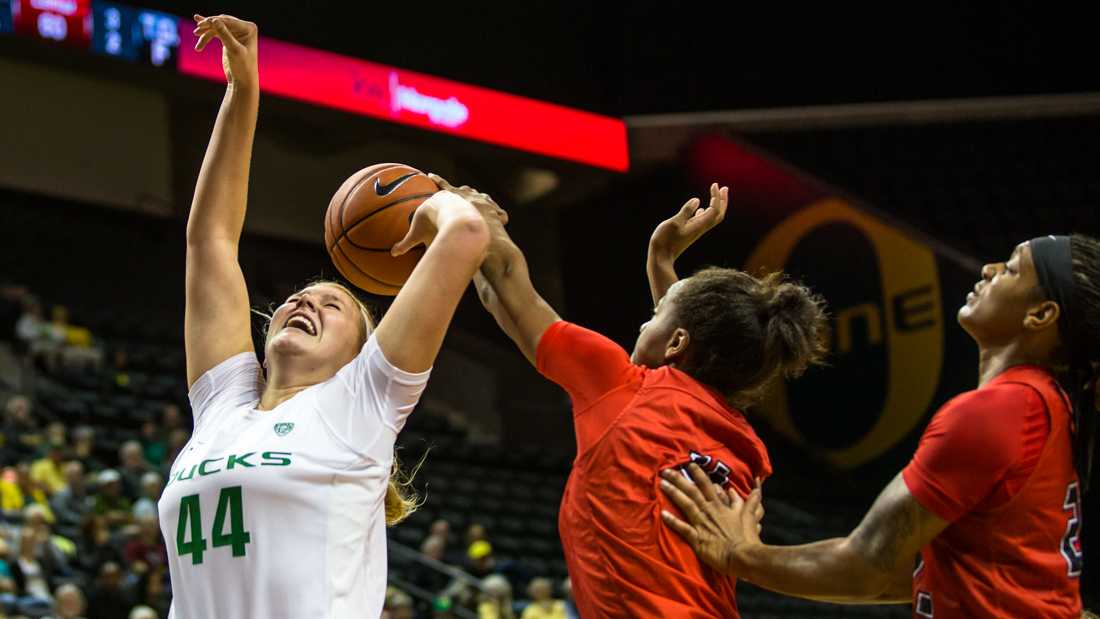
[(5, 17), (135, 34), (319, 77), (68, 22)]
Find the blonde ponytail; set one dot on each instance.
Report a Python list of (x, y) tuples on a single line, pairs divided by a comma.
[(401, 498)]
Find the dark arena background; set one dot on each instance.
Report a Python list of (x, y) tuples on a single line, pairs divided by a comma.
[(881, 156)]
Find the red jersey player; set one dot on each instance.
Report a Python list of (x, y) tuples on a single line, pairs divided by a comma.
[(714, 341), (991, 499)]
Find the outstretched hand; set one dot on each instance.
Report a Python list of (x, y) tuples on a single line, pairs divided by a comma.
[(675, 234), (486, 205), (240, 45), (719, 522)]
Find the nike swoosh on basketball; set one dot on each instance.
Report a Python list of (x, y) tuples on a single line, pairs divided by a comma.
[(387, 189)]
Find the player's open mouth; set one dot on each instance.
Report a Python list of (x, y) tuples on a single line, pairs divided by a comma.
[(302, 323)]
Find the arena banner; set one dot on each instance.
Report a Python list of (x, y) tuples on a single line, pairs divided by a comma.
[(896, 350)]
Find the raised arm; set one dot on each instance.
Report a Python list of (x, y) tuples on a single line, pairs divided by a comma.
[(873, 564), (675, 234), (504, 283), (216, 316), (412, 331)]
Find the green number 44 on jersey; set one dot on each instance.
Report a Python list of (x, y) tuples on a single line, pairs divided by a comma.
[(190, 521)]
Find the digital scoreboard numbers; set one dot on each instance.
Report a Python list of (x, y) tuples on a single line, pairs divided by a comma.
[(5, 17), (68, 22), (135, 34)]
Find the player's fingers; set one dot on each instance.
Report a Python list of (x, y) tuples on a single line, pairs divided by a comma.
[(680, 496), (758, 512), (684, 529), (689, 208), (198, 18), (723, 203), (440, 182), (684, 486), (226, 36), (706, 487), (412, 237), (204, 40), (752, 503)]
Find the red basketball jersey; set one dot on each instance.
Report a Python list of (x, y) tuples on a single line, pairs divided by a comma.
[(632, 423), (1021, 556)]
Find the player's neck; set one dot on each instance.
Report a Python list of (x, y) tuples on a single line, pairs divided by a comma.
[(992, 360), (279, 389)]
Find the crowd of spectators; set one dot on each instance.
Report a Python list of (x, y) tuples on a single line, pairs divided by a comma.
[(79, 533), (461, 572)]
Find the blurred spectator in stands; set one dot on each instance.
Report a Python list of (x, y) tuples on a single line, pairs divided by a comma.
[(30, 569), (7, 584), (132, 465), (454, 554), (31, 332), (57, 433), (399, 605), (73, 502), (18, 490), (543, 605), (46, 471), (152, 591), (84, 449), (443, 608), (146, 550), (177, 440), (153, 443), (143, 612), (109, 500), (74, 345), (22, 435), (108, 599), (95, 545), (151, 486), (58, 549), (68, 602), (170, 418), (13, 299), (117, 376), (479, 559), (425, 577), (570, 605), (496, 598), (475, 533)]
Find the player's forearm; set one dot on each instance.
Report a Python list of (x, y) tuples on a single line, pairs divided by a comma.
[(661, 272), (831, 570), (221, 193), (509, 295)]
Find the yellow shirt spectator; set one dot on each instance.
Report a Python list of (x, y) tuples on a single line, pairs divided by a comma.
[(12, 499), (48, 474), (549, 609)]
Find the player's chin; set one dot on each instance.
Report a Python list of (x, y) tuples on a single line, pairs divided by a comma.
[(290, 340)]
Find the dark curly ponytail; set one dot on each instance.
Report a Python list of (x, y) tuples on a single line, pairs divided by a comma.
[(1083, 372), (747, 331)]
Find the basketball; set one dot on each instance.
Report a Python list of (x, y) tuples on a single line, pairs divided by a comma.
[(370, 212)]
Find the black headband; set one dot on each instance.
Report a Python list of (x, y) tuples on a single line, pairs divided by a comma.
[(1054, 267)]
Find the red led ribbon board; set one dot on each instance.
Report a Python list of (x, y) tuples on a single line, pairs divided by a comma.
[(63, 21), (376, 90)]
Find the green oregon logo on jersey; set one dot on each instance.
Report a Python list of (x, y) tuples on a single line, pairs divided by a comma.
[(282, 429)]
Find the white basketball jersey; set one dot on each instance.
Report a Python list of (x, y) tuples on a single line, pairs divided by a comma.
[(279, 514)]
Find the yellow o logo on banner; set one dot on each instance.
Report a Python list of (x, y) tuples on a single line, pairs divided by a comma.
[(913, 325)]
